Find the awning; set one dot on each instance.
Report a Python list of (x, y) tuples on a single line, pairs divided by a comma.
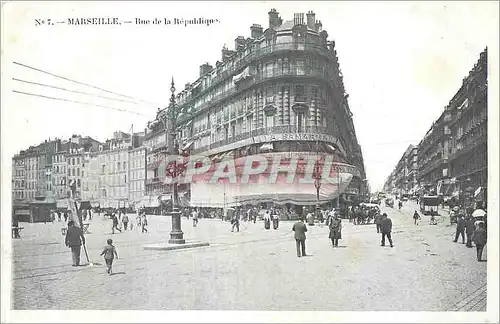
[(85, 205), (62, 204), (242, 75), (227, 154), (22, 212), (478, 191), (267, 147), (164, 198), (188, 145)]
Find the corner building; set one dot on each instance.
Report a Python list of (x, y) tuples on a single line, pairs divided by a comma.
[(279, 91)]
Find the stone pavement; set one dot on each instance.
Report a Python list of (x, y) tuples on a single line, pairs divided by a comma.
[(254, 269)]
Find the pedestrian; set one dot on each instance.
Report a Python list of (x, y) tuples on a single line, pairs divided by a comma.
[(84, 214), (469, 230), (276, 219), (194, 215), (138, 220), (460, 229), (74, 240), (115, 224), (65, 216), (109, 253), (59, 215), (416, 218), (125, 221), (310, 219), (267, 220), (15, 227), (335, 230), (144, 223), (386, 229), (90, 214), (300, 230), (235, 222), (479, 238), (377, 220)]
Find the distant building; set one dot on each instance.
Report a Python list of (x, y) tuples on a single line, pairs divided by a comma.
[(468, 128), (18, 178), (452, 158)]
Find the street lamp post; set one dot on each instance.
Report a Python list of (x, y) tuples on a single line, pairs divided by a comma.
[(169, 117), (317, 185)]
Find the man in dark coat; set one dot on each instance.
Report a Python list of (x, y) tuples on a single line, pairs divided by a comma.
[(74, 240), (115, 223), (479, 238), (469, 230), (300, 230), (386, 229), (460, 229), (335, 230)]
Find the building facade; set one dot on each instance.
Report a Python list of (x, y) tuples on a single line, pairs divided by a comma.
[(18, 178), (137, 173), (281, 90), (452, 158), (468, 158), (404, 178), (60, 175)]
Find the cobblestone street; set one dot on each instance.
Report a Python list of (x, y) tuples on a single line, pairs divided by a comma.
[(254, 269)]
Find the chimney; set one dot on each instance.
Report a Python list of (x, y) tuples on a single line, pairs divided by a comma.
[(318, 26), (187, 85), (311, 19), (205, 68), (226, 54), (274, 19), (239, 43), (298, 19), (256, 31)]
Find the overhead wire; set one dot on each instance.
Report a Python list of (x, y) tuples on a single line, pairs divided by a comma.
[(78, 102), (75, 91), (82, 83)]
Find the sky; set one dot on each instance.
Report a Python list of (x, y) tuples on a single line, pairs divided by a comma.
[(402, 62)]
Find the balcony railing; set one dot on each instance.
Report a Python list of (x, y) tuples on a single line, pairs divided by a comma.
[(476, 141), (258, 78), (263, 131), (254, 55)]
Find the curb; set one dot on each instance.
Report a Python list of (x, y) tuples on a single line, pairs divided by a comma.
[(170, 247)]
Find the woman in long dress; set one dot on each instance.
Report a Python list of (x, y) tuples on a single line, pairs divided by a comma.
[(267, 220)]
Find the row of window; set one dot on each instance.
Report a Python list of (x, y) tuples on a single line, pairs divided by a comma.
[(58, 158), (114, 157), (114, 180), (268, 95)]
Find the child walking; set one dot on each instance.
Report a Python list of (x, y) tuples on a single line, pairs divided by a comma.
[(109, 253)]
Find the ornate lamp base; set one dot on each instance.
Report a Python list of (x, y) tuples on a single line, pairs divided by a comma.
[(176, 235)]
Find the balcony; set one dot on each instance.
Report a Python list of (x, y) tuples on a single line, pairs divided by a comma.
[(258, 79), (255, 55), (476, 141), (275, 130)]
